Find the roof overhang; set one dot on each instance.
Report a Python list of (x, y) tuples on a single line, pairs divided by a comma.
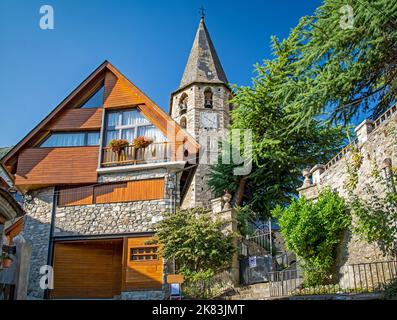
[(9, 208)]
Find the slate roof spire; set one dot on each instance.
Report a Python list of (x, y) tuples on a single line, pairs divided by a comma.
[(203, 64)]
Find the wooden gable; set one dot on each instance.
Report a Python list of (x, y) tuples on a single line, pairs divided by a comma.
[(119, 92)]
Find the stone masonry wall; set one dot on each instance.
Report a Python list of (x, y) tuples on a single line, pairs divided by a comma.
[(109, 218), (36, 231), (375, 144), (199, 193)]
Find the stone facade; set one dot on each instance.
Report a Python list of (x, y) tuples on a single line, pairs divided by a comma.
[(203, 73), (36, 231), (109, 218), (143, 295), (199, 193), (97, 219), (375, 144)]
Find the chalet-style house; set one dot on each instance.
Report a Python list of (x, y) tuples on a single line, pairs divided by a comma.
[(90, 207)]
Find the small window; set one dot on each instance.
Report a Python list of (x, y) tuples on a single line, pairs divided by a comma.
[(96, 100), (183, 103), (208, 98), (71, 139), (183, 122), (144, 254)]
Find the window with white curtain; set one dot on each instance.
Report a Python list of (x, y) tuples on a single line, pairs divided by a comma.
[(129, 124), (71, 139)]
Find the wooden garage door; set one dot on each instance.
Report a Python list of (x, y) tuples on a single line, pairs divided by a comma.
[(144, 265), (89, 269)]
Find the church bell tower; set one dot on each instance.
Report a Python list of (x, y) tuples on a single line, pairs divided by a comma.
[(201, 106)]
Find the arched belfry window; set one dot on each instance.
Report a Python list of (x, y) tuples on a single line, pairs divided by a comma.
[(183, 122), (183, 103), (208, 98)]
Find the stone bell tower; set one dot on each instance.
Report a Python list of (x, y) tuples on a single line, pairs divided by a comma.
[(201, 106)]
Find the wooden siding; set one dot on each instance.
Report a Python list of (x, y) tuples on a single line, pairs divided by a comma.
[(90, 269), (78, 119), (118, 93), (76, 196), (142, 275), (56, 166), (139, 190)]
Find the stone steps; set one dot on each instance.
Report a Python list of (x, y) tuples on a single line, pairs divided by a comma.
[(258, 291)]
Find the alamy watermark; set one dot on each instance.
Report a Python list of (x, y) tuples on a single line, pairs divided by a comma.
[(47, 19), (346, 20), (47, 280)]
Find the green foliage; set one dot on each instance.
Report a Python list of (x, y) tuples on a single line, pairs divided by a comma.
[(278, 156), (196, 241), (390, 292), (375, 208), (342, 72), (244, 216), (313, 230)]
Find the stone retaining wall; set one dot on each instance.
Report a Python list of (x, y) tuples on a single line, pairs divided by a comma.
[(376, 143)]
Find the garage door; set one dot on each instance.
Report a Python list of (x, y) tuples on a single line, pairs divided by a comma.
[(90, 269)]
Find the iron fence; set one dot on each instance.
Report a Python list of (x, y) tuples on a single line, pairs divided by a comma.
[(351, 279), (209, 288)]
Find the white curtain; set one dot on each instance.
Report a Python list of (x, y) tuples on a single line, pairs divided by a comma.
[(152, 132), (92, 138), (128, 134), (110, 135), (65, 140), (133, 117), (113, 119)]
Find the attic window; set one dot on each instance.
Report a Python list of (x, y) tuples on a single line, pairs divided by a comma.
[(96, 99), (71, 139)]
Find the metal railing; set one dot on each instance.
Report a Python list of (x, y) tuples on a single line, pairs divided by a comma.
[(285, 282), (156, 152), (209, 288), (352, 279)]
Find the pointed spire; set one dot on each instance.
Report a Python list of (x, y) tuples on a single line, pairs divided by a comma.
[(203, 64)]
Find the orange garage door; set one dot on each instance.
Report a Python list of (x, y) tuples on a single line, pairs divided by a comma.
[(90, 269)]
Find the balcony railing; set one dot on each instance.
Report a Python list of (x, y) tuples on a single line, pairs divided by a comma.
[(156, 152)]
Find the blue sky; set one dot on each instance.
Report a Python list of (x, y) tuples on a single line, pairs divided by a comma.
[(148, 41)]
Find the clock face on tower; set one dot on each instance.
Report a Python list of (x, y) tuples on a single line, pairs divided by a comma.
[(209, 120)]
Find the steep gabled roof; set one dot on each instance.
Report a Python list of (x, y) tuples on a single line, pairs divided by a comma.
[(203, 64), (130, 94)]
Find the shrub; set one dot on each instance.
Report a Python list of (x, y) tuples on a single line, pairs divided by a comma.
[(313, 230), (196, 241)]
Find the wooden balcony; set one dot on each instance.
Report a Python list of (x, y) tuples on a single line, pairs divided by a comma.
[(155, 153)]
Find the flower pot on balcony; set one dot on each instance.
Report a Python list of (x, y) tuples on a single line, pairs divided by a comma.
[(118, 146), (141, 143)]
